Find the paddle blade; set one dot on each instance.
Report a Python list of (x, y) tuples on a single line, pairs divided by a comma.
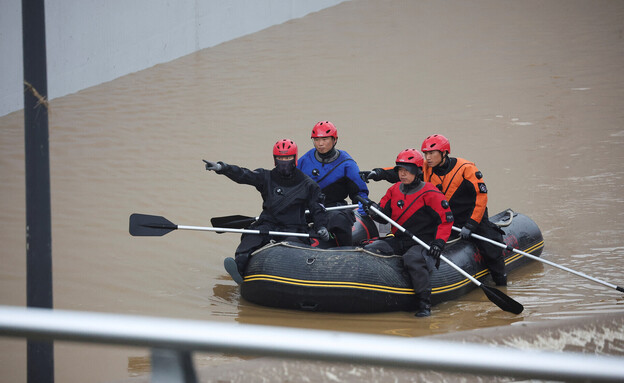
[(501, 300), (232, 221), (143, 225)]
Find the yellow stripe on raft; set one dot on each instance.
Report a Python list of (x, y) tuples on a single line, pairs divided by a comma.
[(387, 289), (354, 285)]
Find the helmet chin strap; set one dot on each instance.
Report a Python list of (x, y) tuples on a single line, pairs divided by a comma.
[(444, 163)]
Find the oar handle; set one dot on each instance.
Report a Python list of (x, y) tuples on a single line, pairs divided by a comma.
[(509, 248), (342, 207), (247, 231)]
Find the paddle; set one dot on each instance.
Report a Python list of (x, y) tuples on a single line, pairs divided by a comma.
[(143, 225), (497, 297), (241, 221), (509, 248), (233, 221)]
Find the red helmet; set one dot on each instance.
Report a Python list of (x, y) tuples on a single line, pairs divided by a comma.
[(436, 142), (285, 147), (324, 129), (410, 156)]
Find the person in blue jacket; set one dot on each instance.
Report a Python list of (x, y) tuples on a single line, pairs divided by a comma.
[(337, 174)]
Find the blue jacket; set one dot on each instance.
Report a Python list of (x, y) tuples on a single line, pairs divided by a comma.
[(337, 179)]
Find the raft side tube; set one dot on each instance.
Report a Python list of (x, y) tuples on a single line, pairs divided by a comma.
[(350, 279)]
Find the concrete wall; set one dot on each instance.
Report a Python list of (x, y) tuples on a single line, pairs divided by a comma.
[(93, 41)]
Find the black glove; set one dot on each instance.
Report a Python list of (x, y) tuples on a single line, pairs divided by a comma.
[(466, 230), (323, 233), (364, 175), (369, 211), (465, 233), (213, 166), (366, 204), (435, 250), (376, 174)]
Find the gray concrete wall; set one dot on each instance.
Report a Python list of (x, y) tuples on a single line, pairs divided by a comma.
[(93, 41)]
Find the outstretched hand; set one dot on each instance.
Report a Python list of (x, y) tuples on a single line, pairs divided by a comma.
[(376, 174), (213, 165)]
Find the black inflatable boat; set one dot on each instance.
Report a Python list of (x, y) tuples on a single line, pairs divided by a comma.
[(351, 279)]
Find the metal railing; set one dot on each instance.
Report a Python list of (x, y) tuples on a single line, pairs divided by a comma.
[(173, 340)]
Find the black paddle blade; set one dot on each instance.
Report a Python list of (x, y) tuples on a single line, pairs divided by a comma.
[(501, 300), (143, 225), (232, 221)]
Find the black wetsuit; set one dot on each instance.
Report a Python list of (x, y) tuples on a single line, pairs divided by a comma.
[(284, 202)]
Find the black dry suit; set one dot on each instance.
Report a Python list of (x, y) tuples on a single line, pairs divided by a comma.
[(284, 202)]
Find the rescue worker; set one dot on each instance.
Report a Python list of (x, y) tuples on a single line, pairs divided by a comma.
[(286, 194), (337, 173), (422, 210), (464, 187)]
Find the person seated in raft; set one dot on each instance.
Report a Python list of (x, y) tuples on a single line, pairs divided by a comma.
[(337, 174), (464, 188), (286, 194), (421, 209)]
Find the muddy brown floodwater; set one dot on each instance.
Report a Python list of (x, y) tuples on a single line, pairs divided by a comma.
[(531, 91)]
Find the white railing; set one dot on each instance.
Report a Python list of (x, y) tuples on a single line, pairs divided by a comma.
[(173, 340)]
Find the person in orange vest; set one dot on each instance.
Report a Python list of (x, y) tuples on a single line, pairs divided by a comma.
[(464, 187), (424, 212)]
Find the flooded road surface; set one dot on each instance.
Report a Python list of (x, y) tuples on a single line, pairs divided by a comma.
[(532, 92)]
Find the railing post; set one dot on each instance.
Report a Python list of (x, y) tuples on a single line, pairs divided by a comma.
[(40, 354), (172, 366)]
